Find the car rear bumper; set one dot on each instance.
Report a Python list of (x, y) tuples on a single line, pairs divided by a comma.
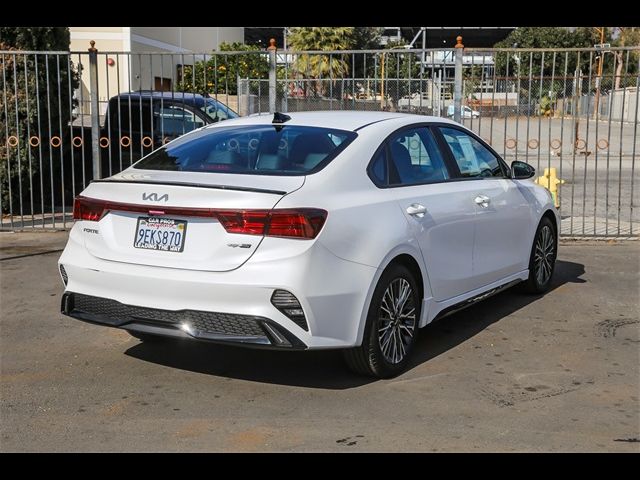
[(332, 293), (210, 326)]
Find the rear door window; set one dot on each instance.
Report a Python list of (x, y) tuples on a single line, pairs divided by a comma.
[(415, 158)]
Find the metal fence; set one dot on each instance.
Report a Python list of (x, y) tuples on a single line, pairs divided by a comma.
[(575, 111)]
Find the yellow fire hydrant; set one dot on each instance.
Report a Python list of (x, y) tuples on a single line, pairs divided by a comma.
[(551, 182)]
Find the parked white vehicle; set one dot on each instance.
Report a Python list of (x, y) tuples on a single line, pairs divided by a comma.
[(333, 229), (415, 101), (466, 112)]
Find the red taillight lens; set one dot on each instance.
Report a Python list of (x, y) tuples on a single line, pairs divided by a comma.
[(249, 222), (299, 223), (88, 209)]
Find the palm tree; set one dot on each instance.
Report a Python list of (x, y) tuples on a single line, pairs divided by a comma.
[(316, 65)]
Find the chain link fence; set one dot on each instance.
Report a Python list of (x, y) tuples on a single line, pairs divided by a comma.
[(69, 117)]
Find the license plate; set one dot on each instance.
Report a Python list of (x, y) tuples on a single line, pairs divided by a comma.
[(157, 233)]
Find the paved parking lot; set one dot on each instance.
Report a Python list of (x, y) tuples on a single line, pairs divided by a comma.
[(515, 373)]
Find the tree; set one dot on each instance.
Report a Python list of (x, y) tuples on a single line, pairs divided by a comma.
[(317, 66), (219, 74), (366, 38), (626, 37), (24, 144), (510, 63)]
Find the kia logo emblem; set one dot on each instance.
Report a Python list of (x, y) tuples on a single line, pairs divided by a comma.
[(154, 197)]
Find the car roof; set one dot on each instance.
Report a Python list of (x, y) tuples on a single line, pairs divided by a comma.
[(350, 120), (182, 97)]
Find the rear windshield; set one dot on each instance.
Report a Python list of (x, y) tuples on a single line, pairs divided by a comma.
[(255, 149)]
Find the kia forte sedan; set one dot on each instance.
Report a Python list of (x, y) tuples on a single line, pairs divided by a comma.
[(314, 230)]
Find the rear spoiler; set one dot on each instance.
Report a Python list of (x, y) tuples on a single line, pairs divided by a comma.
[(197, 185)]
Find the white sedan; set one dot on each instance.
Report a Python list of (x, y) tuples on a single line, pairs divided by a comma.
[(314, 230)]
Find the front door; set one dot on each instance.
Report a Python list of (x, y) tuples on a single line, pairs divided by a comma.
[(503, 224)]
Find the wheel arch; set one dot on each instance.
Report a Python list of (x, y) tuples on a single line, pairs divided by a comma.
[(411, 258)]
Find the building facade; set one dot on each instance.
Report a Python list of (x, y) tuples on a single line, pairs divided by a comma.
[(120, 72)]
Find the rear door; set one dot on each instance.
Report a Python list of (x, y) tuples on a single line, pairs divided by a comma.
[(441, 213), (503, 223)]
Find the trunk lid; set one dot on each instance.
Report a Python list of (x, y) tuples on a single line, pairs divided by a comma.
[(206, 245)]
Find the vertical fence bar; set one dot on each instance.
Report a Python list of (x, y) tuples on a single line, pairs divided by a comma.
[(506, 111), (70, 92), (539, 112), (28, 144), (596, 119), (15, 85), (457, 89), (6, 137), (624, 92), (611, 97), (493, 99), (480, 104), (564, 103), (107, 120), (119, 112), (130, 108), (53, 216), (526, 150), (61, 149), (38, 100), (633, 153), (586, 143), (551, 95), (95, 111), (6, 128), (82, 116), (574, 113), (516, 56)]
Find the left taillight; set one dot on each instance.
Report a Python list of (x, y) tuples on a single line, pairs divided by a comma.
[(88, 209)]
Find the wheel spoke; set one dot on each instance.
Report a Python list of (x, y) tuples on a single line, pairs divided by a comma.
[(408, 330)]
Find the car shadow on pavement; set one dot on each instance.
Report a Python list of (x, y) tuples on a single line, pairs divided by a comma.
[(440, 336), (326, 369)]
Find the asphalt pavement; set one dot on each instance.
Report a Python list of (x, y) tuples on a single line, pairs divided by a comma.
[(558, 372)]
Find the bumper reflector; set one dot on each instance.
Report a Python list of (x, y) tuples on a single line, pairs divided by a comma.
[(63, 274), (289, 305)]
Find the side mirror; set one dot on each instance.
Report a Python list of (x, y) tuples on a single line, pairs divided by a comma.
[(521, 170)]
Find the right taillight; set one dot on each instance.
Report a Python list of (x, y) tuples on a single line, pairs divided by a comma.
[(303, 223), (299, 223)]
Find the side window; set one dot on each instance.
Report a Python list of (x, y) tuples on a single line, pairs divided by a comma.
[(135, 117), (416, 158), (378, 167), (221, 114), (173, 120), (473, 158)]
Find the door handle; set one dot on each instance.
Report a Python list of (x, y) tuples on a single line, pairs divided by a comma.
[(482, 200), (416, 210)]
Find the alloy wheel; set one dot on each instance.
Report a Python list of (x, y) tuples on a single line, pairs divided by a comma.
[(544, 255), (397, 320)]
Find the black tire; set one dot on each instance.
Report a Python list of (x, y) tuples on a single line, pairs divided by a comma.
[(376, 357), (540, 282)]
